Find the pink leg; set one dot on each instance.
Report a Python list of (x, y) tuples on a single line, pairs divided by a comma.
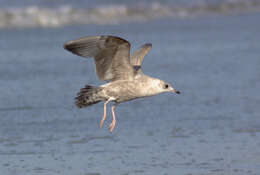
[(113, 123), (105, 113)]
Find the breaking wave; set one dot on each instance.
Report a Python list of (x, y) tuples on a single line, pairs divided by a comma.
[(35, 16)]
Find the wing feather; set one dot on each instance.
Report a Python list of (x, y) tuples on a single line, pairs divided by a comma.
[(111, 54), (137, 58)]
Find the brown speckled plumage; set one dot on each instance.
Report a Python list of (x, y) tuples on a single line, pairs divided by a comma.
[(123, 73)]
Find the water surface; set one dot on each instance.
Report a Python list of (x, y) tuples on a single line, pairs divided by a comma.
[(212, 128)]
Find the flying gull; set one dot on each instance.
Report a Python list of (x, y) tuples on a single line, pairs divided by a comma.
[(122, 72)]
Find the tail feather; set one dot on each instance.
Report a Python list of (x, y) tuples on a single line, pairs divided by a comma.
[(87, 96)]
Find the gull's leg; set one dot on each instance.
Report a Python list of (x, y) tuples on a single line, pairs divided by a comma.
[(113, 123), (105, 113)]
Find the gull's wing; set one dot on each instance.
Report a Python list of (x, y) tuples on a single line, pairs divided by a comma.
[(137, 58), (111, 54)]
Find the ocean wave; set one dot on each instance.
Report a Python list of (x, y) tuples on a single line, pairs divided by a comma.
[(35, 16)]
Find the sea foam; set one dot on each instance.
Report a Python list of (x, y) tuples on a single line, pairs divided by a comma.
[(36, 16)]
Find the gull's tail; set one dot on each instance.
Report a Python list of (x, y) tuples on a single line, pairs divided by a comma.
[(88, 95)]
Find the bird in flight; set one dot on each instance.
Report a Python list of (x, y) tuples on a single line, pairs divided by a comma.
[(122, 72)]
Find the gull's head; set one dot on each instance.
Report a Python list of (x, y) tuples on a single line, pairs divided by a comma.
[(162, 86)]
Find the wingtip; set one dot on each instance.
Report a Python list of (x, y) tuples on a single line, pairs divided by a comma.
[(65, 45), (148, 44)]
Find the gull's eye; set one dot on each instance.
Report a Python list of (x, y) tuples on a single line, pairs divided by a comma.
[(165, 86)]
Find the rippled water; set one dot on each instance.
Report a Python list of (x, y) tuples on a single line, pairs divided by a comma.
[(212, 128)]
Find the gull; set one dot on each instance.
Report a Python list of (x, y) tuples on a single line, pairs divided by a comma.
[(121, 71)]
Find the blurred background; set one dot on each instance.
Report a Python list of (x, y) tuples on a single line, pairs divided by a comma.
[(207, 49), (49, 13)]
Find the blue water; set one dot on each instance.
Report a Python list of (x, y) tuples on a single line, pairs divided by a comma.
[(212, 128)]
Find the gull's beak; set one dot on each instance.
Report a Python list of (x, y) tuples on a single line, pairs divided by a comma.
[(175, 91)]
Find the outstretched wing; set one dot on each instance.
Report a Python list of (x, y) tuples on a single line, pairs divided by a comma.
[(111, 54), (137, 58)]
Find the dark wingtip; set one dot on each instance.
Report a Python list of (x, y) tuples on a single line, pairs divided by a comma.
[(148, 44), (66, 45), (178, 92)]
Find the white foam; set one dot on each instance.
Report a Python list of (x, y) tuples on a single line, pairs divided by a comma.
[(35, 16)]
